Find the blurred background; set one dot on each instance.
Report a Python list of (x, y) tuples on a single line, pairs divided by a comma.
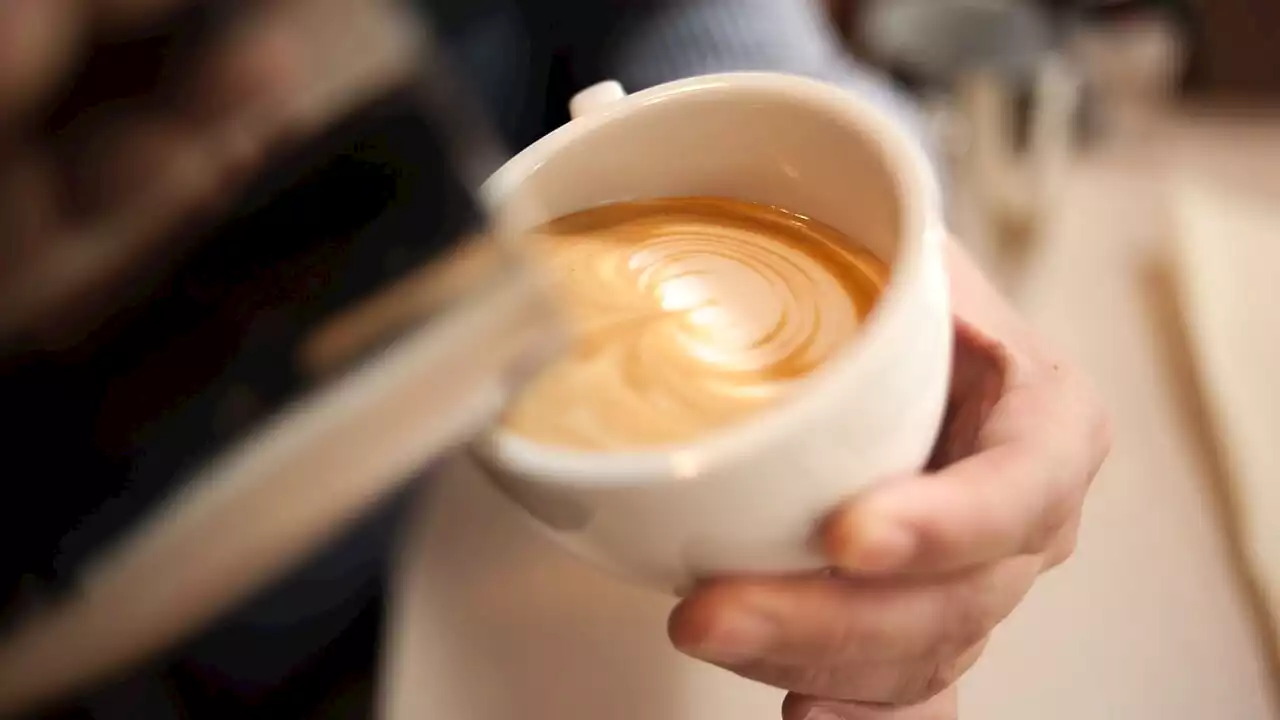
[(1116, 167)]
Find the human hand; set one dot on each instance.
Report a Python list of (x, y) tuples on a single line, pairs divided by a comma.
[(113, 136), (924, 567)]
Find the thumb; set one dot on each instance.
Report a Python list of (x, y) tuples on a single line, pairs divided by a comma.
[(799, 707)]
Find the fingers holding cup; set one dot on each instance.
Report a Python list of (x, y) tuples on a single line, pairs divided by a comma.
[(897, 643), (1034, 456)]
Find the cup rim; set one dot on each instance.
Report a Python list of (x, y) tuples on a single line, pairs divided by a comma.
[(919, 228)]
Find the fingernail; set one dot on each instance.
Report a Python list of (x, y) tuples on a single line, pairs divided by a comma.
[(737, 636), (819, 712), (871, 543)]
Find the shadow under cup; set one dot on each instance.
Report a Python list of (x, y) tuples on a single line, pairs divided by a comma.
[(745, 499)]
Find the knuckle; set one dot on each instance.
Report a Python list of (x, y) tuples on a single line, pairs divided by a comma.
[(1098, 431), (940, 677), (1066, 484), (932, 679), (1063, 547), (966, 618), (1102, 436), (972, 608), (819, 680), (1071, 472), (1062, 503), (868, 636), (1057, 557), (926, 681), (857, 635)]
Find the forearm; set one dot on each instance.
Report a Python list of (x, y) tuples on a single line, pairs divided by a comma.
[(671, 39)]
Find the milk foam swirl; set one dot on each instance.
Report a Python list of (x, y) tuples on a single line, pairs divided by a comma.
[(690, 314)]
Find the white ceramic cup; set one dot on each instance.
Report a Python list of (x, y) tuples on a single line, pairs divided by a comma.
[(746, 499)]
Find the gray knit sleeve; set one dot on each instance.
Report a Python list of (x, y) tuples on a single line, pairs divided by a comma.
[(670, 39)]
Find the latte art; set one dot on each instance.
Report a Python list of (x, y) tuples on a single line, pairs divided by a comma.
[(689, 314)]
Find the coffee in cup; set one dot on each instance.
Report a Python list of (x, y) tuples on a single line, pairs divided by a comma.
[(690, 314), (711, 436)]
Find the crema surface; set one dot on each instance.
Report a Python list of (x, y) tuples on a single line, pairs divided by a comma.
[(689, 314)]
